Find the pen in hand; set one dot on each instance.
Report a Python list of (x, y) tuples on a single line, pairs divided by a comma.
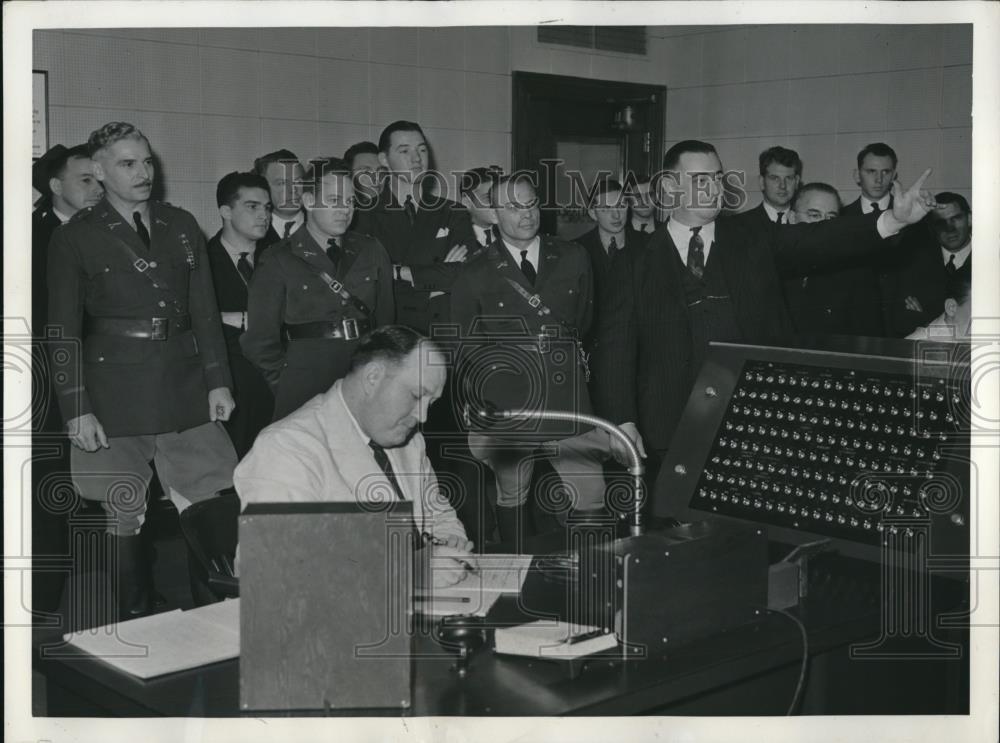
[(429, 538)]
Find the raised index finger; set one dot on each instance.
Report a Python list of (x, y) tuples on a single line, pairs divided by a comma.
[(920, 181)]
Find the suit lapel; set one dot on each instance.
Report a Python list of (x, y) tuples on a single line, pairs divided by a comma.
[(115, 223), (305, 247), (724, 252), (506, 266), (662, 248), (349, 251)]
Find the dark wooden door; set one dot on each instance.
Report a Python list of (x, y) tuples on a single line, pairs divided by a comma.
[(596, 121)]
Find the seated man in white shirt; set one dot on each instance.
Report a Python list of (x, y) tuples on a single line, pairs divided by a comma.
[(359, 442)]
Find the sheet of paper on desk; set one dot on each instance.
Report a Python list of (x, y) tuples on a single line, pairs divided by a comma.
[(444, 602), (476, 594), (503, 573), (168, 642)]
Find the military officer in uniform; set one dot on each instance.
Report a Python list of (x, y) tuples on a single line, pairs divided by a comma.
[(321, 289), (144, 365), (523, 308)]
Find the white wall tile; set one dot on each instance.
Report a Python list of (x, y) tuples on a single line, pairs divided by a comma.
[(918, 150), (343, 91), (914, 100), (956, 159), (864, 102), (813, 50), (190, 196), (228, 143), (301, 137), (767, 53), (176, 140), (343, 43), (289, 40), (230, 82), (395, 94), (956, 96), (813, 105), (684, 113), (574, 64), (765, 112), (288, 86), (680, 58), (863, 48), (487, 148), (395, 45), (723, 57), (488, 102), (335, 138), (448, 146), (956, 43), (723, 111), (818, 153), (487, 49), (913, 47), (113, 86), (608, 67), (526, 53), (231, 38), (442, 98), (72, 126), (168, 77), (442, 47)]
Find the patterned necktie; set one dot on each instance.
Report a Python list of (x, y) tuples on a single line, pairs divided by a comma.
[(141, 228), (333, 252), (696, 253), (244, 267), (411, 209), (527, 269), (951, 267), (781, 218), (288, 229), (383, 461), (876, 208)]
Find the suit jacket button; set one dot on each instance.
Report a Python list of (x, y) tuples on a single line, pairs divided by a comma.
[(100, 358), (499, 304), (152, 264), (304, 287), (161, 303)]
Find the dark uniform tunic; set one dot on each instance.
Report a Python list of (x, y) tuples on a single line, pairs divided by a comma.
[(135, 386), (287, 289), (513, 357), (438, 226)]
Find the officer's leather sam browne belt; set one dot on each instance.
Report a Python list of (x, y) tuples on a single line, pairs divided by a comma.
[(348, 329), (154, 328)]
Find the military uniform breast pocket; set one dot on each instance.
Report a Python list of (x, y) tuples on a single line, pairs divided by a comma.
[(116, 284)]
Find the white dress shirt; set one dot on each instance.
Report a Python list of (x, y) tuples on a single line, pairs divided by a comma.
[(60, 216), (961, 255), (681, 235), (533, 251), (481, 233), (883, 203), (772, 213), (278, 223), (650, 225)]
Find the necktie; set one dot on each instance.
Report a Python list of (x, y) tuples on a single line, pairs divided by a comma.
[(288, 229), (141, 228), (527, 269), (382, 459), (876, 208), (612, 247), (244, 267), (333, 252), (781, 218), (951, 267), (643, 226), (411, 209), (488, 237), (696, 253)]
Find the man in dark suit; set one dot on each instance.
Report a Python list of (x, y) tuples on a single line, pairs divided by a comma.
[(147, 376), (322, 289), (875, 174), (427, 236), (283, 173), (362, 159), (703, 279), (842, 300), (244, 204), (65, 178), (642, 210), (608, 245), (522, 308), (780, 174), (931, 273), (475, 188)]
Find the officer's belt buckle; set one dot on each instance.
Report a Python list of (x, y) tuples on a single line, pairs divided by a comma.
[(336, 286), (161, 328), (534, 301), (140, 265), (351, 328)]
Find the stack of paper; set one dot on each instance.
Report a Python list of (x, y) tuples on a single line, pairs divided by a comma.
[(478, 591), (168, 642), (548, 639)]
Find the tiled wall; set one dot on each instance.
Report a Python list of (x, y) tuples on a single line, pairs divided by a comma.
[(825, 91), (212, 99)]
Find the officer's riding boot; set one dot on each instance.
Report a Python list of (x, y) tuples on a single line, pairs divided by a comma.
[(132, 597), (514, 524)]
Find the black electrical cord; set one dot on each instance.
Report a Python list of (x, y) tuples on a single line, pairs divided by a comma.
[(805, 658)]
